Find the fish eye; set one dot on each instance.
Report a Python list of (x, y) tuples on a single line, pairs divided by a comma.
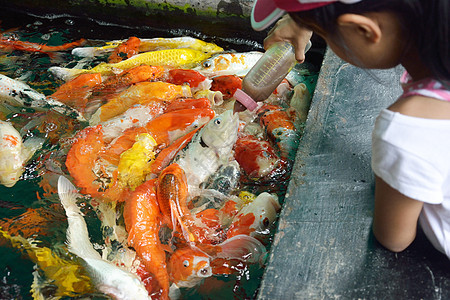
[(217, 121), (206, 64), (186, 263), (266, 222)]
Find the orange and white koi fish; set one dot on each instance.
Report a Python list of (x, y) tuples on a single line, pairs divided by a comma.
[(108, 278), (142, 218), (187, 267), (256, 157), (14, 154), (256, 218)]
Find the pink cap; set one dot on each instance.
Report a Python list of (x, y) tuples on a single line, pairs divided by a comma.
[(266, 12), (245, 100)]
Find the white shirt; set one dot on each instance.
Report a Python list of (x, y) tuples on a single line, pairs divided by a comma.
[(412, 155)]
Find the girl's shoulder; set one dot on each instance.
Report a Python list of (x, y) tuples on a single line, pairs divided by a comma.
[(427, 98)]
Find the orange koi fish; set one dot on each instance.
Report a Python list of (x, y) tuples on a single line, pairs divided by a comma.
[(141, 93), (186, 76), (226, 84), (142, 218), (95, 178), (256, 218), (125, 50), (35, 47), (165, 129), (75, 92)]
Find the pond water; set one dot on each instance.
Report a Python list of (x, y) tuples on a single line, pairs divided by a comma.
[(31, 209)]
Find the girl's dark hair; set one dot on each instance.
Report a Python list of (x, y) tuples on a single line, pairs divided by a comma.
[(425, 23)]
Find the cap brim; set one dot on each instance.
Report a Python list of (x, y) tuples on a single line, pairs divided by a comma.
[(264, 14)]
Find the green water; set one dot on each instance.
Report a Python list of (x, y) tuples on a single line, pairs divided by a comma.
[(15, 267)]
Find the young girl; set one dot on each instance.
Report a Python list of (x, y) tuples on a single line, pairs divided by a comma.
[(411, 138)]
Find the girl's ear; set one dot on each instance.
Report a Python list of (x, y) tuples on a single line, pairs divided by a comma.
[(365, 27)]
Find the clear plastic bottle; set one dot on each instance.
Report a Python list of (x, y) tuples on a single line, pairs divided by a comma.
[(264, 77)]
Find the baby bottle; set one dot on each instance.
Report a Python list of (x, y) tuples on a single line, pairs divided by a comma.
[(264, 77)]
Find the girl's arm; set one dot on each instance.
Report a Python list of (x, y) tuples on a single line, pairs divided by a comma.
[(395, 217)]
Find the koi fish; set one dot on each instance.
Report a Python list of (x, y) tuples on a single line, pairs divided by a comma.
[(229, 64), (14, 153), (140, 93), (41, 221), (127, 49), (209, 148), (35, 47), (165, 129), (151, 45), (215, 97), (107, 277), (174, 58), (280, 129), (66, 275), (226, 84), (256, 218), (142, 218), (18, 93), (301, 101), (257, 158), (187, 267), (135, 163)]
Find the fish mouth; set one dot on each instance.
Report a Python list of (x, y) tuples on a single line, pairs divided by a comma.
[(204, 269)]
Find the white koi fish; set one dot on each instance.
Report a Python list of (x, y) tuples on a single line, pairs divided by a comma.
[(108, 278), (229, 64), (210, 148), (18, 93), (14, 153)]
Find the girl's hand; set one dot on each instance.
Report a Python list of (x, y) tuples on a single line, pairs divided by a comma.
[(287, 29), (395, 217)]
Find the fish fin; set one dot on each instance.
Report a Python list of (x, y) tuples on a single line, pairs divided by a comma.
[(189, 237), (242, 247), (174, 292), (30, 146)]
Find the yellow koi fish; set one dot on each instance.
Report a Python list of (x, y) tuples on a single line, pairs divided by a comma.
[(69, 277), (151, 45), (175, 58)]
